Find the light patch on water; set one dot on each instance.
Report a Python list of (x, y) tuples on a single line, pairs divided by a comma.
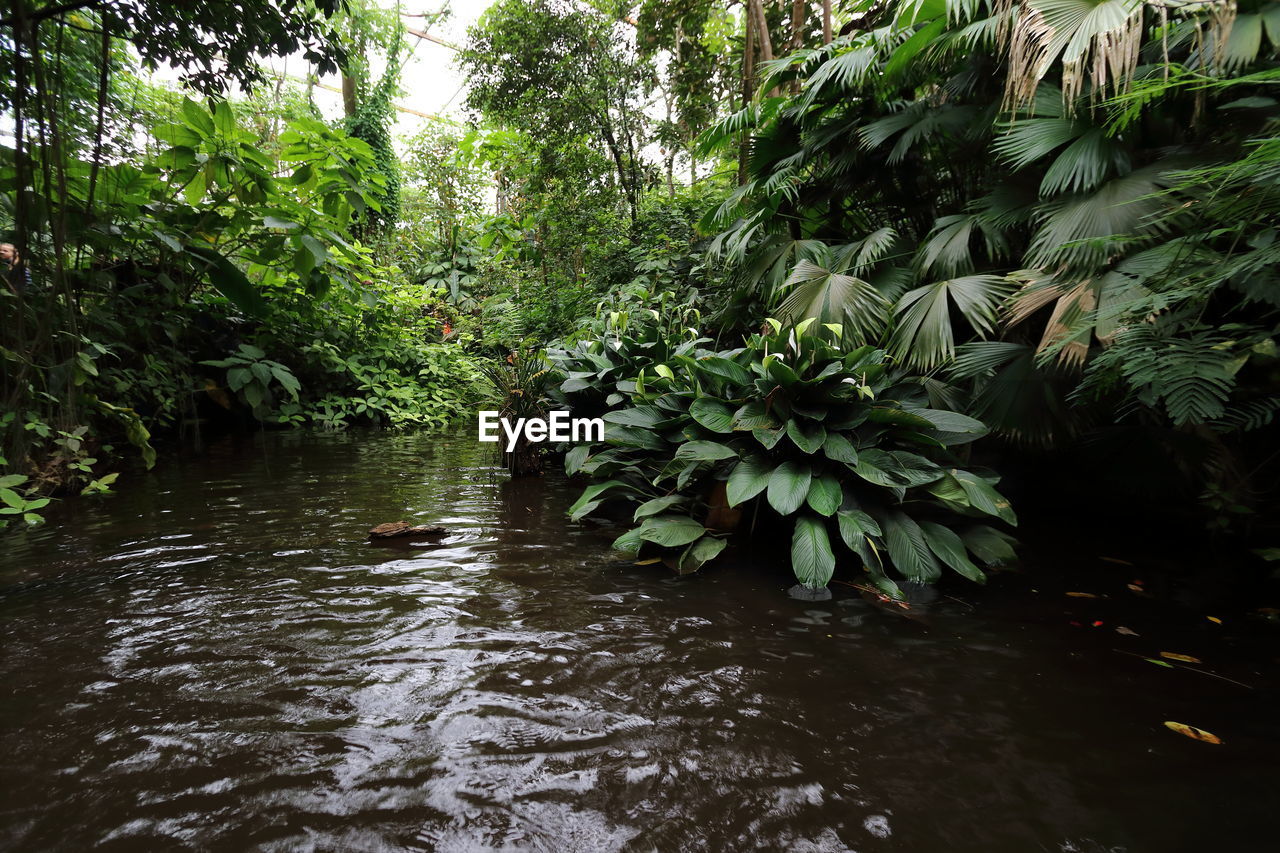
[(877, 825)]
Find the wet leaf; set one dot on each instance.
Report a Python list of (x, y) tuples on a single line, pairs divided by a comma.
[(1135, 588), (1183, 658), (1128, 632), (1193, 732), (1214, 619), (1158, 662), (1082, 595), (649, 562)]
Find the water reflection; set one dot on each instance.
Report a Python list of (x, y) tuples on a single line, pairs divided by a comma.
[(216, 659)]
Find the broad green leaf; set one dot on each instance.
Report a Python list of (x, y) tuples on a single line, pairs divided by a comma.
[(588, 499), (955, 428), (990, 545), (224, 118), (197, 117), (878, 467), (12, 499), (949, 548), (261, 372), (575, 457), (825, 495), (671, 530), (898, 417), (238, 378), (949, 492), (704, 451), (700, 553), (633, 437), (768, 437), (277, 222), (983, 496), (908, 550), (749, 478), (788, 487), (287, 380), (916, 470), (10, 480), (712, 414), (807, 436), (753, 416), (838, 448), (811, 557), (629, 542), (194, 191), (657, 505), (723, 368), (319, 253), (855, 526), (646, 417), (230, 281)]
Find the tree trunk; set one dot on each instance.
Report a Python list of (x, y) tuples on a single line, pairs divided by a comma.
[(826, 21), (748, 87), (798, 17), (348, 96)]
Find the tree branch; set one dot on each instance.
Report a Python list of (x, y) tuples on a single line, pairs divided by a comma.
[(50, 12)]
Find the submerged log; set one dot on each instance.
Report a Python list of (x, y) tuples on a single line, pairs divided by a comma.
[(396, 529)]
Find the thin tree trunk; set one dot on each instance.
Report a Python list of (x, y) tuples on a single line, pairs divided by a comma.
[(798, 17), (826, 21), (748, 86), (762, 30), (348, 95)]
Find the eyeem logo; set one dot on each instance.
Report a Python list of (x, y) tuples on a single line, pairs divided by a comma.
[(558, 427)]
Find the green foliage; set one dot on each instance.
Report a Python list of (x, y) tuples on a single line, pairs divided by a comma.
[(1067, 206), (826, 439)]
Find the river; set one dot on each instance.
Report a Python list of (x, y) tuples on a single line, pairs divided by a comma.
[(216, 659)]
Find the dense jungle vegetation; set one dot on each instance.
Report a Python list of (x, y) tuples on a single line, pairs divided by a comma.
[(829, 269)]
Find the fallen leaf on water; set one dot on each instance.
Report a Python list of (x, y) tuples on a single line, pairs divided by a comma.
[(1116, 560), (1183, 658), (1082, 595), (1136, 588), (1159, 662), (1193, 732), (1214, 619), (649, 562), (1128, 632)]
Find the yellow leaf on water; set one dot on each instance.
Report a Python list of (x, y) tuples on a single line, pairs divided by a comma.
[(1082, 595), (1133, 587), (1214, 619), (649, 562), (1183, 658), (1193, 732)]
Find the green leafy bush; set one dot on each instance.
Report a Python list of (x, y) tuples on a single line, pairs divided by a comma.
[(826, 439)]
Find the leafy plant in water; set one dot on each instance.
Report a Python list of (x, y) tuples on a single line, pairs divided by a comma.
[(250, 374), (521, 383), (831, 441)]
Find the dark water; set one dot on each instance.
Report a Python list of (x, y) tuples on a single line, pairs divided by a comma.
[(214, 659)]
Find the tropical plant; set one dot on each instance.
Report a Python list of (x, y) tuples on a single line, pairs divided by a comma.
[(819, 436), (1058, 202), (521, 383)]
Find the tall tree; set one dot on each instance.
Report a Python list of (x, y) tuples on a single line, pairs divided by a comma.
[(559, 71)]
